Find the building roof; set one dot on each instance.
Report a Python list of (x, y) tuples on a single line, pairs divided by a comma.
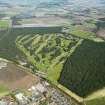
[(40, 87), (3, 103), (34, 25), (19, 96)]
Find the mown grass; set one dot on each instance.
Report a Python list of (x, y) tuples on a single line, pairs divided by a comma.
[(3, 90), (47, 52), (8, 49), (29, 45), (4, 23)]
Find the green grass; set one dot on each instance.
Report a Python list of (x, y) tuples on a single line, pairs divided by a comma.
[(47, 52), (85, 34), (3, 90), (82, 34), (4, 23), (97, 101)]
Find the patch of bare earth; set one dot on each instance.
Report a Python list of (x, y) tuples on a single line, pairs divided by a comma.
[(16, 77)]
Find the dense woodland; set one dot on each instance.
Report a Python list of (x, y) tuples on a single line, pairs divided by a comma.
[(84, 71)]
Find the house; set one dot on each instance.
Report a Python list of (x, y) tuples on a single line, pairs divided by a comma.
[(40, 88), (21, 99), (3, 103)]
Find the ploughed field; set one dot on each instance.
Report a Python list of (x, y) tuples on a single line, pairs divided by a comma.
[(14, 77)]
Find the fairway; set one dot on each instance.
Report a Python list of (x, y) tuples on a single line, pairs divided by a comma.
[(47, 52)]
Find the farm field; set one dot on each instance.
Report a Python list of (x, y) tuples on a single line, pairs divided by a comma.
[(51, 20), (85, 34), (3, 91), (4, 24), (14, 77)]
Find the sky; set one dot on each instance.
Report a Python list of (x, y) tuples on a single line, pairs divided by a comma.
[(74, 2), (23, 1)]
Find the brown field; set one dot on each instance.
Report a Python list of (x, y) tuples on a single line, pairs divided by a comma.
[(15, 77), (50, 20), (101, 33)]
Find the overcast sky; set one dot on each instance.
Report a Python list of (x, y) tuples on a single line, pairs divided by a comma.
[(75, 2)]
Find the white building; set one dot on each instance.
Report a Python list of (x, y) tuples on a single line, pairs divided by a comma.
[(3, 103), (40, 88), (21, 99)]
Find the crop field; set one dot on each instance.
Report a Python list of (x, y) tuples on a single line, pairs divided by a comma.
[(14, 77), (3, 90), (52, 20), (4, 24)]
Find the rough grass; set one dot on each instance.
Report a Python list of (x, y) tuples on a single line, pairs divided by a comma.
[(97, 101), (85, 34), (3, 90), (47, 52)]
